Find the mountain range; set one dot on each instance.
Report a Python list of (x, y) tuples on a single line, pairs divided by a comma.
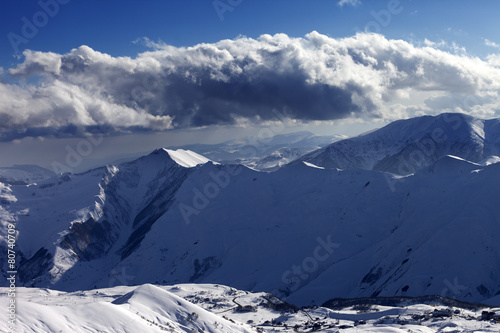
[(335, 223), (265, 151), (405, 146)]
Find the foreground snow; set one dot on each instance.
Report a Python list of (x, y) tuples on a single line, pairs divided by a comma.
[(217, 308)]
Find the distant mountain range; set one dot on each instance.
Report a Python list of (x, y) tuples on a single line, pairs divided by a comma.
[(406, 146), (305, 233), (264, 153), (24, 174)]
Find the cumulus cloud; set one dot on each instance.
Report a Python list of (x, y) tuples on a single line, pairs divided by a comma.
[(342, 3), (488, 42), (231, 81)]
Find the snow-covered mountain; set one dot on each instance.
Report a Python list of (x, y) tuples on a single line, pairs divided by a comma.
[(264, 152), (405, 146), (217, 308), (304, 233), (276, 159), (24, 174)]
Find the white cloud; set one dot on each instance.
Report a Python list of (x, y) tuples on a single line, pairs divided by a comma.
[(439, 44), (244, 80), (494, 60), (341, 3), (46, 63), (487, 42)]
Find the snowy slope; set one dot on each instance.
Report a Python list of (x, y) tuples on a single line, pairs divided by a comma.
[(103, 211), (304, 233), (277, 159), (395, 236), (406, 146), (24, 174), (218, 308), (146, 308), (186, 158)]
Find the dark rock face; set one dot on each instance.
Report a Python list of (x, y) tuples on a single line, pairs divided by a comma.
[(90, 239), (39, 264), (155, 208)]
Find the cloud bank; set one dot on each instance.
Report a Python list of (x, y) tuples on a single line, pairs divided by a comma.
[(240, 81)]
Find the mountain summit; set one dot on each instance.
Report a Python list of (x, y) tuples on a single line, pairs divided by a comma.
[(405, 146)]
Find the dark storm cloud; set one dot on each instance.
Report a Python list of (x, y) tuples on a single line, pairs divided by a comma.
[(217, 102)]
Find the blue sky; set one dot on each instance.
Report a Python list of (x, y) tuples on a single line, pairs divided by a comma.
[(136, 81), (111, 26)]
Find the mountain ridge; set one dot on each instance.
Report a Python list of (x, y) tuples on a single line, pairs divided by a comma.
[(307, 234), (415, 144)]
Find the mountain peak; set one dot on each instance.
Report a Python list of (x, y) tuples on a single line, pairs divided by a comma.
[(184, 158), (406, 146)]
